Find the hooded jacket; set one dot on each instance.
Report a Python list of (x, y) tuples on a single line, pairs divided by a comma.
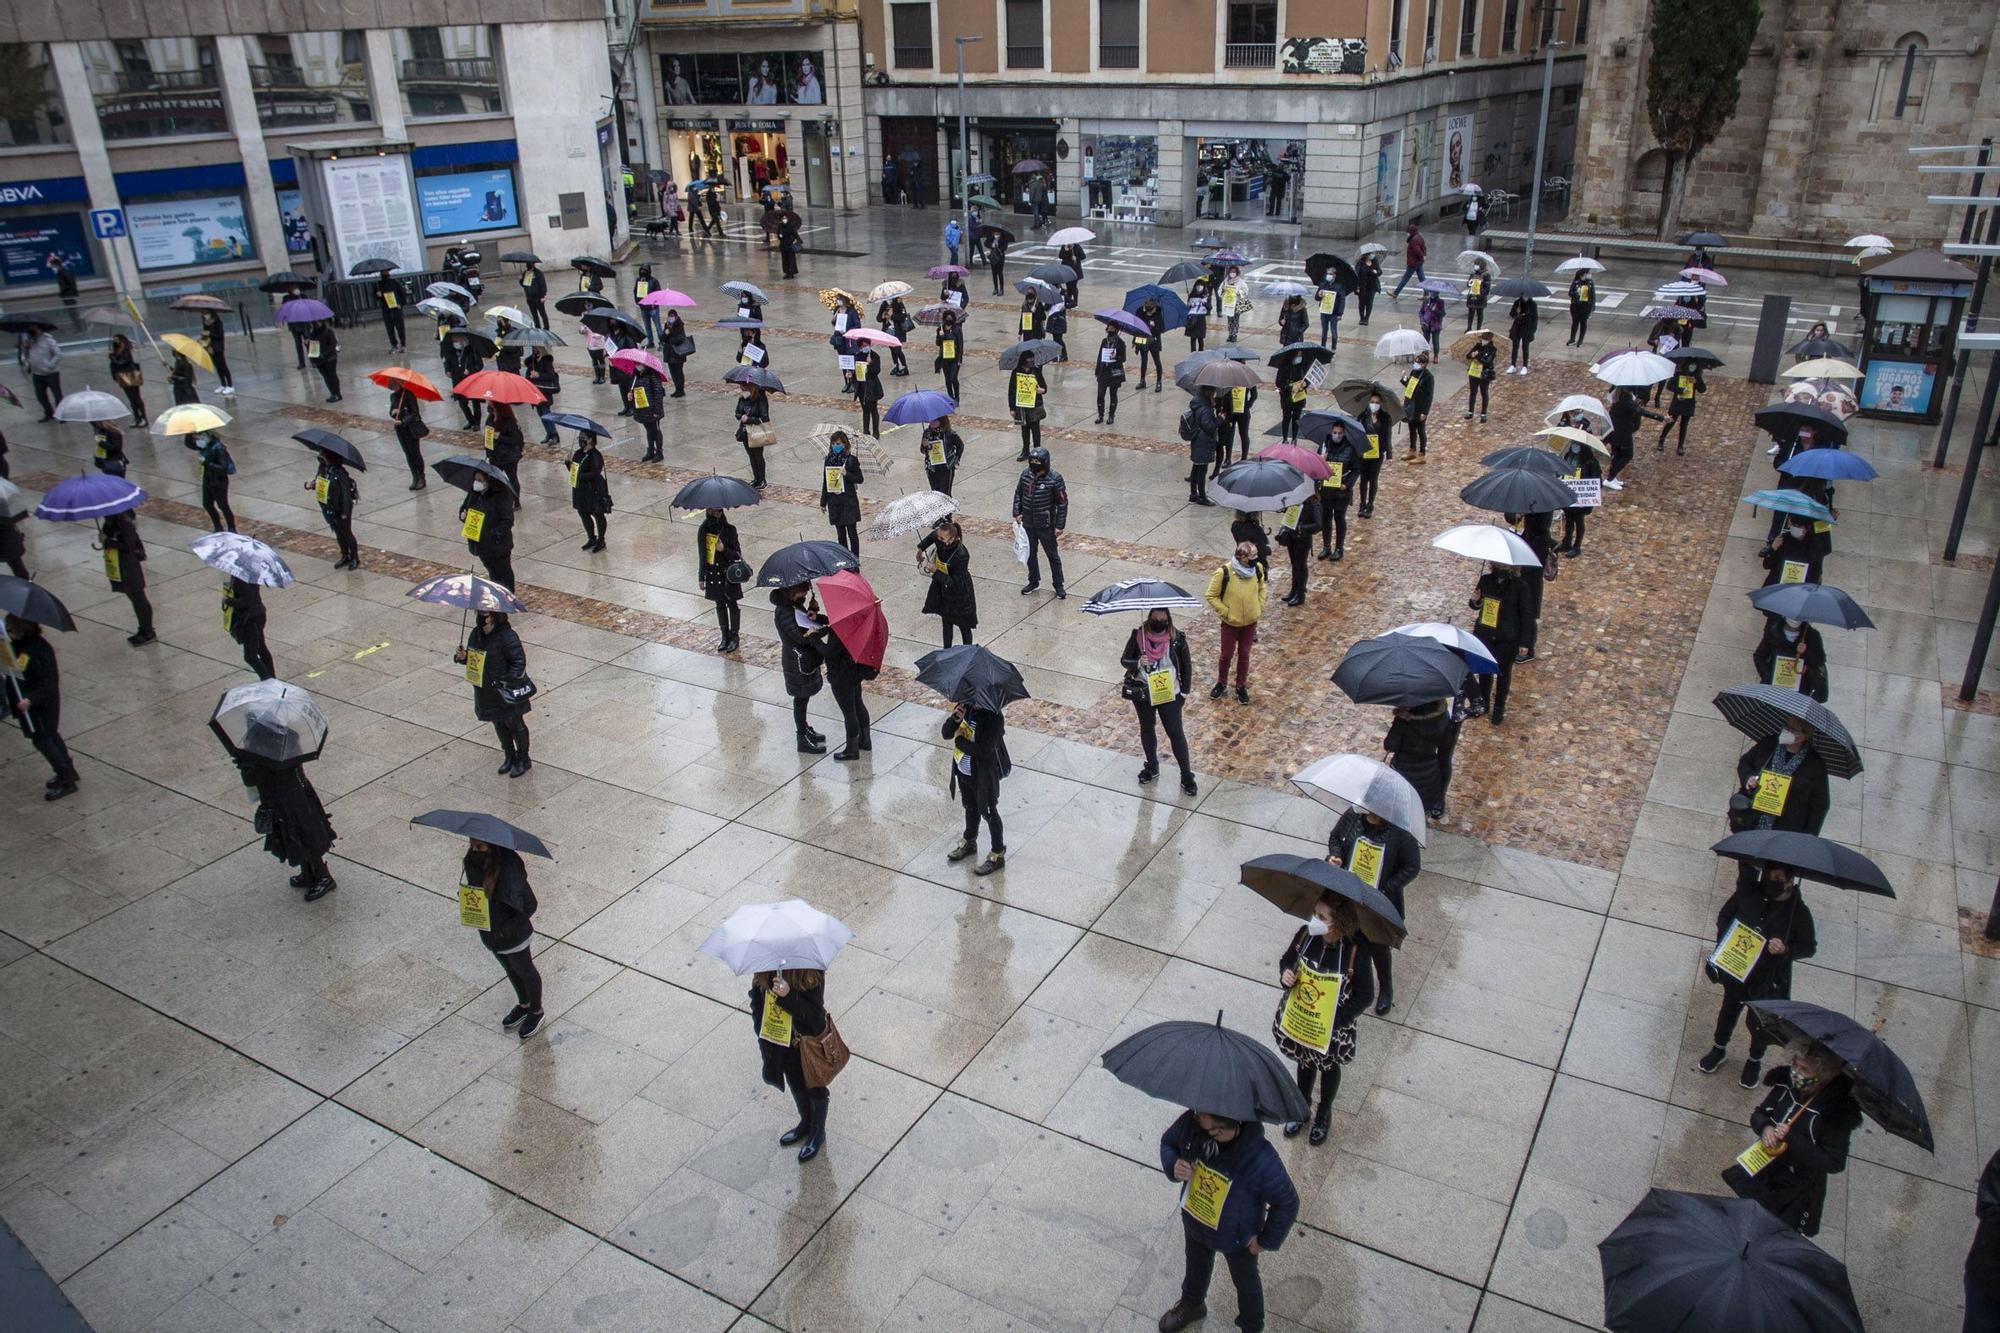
[(1261, 1204)]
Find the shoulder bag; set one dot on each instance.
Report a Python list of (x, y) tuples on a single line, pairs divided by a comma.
[(823, 1056)]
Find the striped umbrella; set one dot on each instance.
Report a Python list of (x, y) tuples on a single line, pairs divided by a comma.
[(1761, 711)]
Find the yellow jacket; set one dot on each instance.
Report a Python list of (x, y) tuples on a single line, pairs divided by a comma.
[(1241, 602)]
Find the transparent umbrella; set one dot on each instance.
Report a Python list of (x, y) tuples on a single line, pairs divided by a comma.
[(88, 404), (1342, 780), (911, 513), (271, 719)]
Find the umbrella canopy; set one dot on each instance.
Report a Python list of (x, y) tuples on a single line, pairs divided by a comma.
[(1585, 403), (459, 470), (1582, 437), (1342, 780), (303, 311), (1140, 595), (110, 317), (1694, 1261), (1353, 395), (1580, 264), (1042, 291), (189, 418), (920, 405), (92, 495), (592, 264), (1461, 346), (1028, 166), (1818, 859), (576, 303), (777, 937), (12, 503), (1485, 541), (986, 201), (1822, 347), (1828, 465), (272, 720), (1782, 420), (1187, 270), (1316, 426), (1707, 240), (1399, 670), (441, 290), (1479, 659), (757, 375), (992, 231), (1528, 457), (243, 558), (464, 339), (876, 336), (1790, 502), (943, 271), (1442, 287), (972, 675), (714, 492), (802, 562), (1700, 357), (1226, 373), (1882, 1082), (739, 323), (1309, 464), (402, 377), (577, 422), (1399, 343), (1761, 711), (1467, 258), (467, 592), (911, 513), (1034, 352), (830, 297), (31, 601), (1517, 491), (1123, 322), (1260, 485), (91, 405), (26, 326), (1300, 353), (888, 291), (1822, 368), (933, 314), (1209, 1068), (854, 614), (286, 282), (638, 358), (1072, 236), (1867, 241), (1319, 265), (520, 257), (667, 296), (199, 301), (1633, 369), (1372, 248), (498, 386), (1815, 603), (1678, 291), (1294, 883), (441, 310), (1670, 312), (1509, 288), (607, 321), (1707, 277), (489, 829), (1173, 310), (1056, 275), (509, 313), (738, 287), (327, 441)]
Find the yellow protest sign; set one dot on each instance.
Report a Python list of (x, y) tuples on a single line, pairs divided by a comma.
[(475, 523), (1025, 390), (575, 470), (1228, 300), (1160, 686), (1326, 303), (836, 481), (1337, 478), (1409, 388), (312, 349), (1489, 612), (1367, 862), (1794, 571), (1292, 513), (1027, 321), (1374, 449), (1788, 673), (776, 1026), (711, 546), (1756, 1157), (640, 400), (1307, 1017), (1297, 389), (112, 566), (320, 488), (934, 452), (473, 908), (1236, 399), (1473, 370), (1207, 1191), (389, 301), (1772, 788), (486, 438), (860, 369), (475, 665), (1739, 951), (948, 350)]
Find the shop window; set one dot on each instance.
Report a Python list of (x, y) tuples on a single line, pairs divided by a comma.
[(1118, 34), (31, 109), (155, 87), (448, 71), (310, 78), (910, 36), (1468, 27), (1510, 25), (1024, 34), (1430, 31)]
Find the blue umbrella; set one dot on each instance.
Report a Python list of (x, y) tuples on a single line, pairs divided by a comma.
[(1790, 502), (1442, 286), (980, 178), (467, 592), (1828, 465), (90, 496), (919, 406), (1124, 321), (1173, 310), (576, 422)]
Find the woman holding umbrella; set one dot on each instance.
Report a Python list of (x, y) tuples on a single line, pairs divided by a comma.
[(799, 653), (109, 457), (1158, 668), (1792, 656), (504, 443), (243, 619), (1475, 295), (496, 879), (647, 409), (1523, 318), (951, 596), (868, 390), (335, 491), (1110, 372), (598, 346), (1781, 784), (589, 492), (34, 694), (129, 377), (1795, 553), (180, 380), (894, 319), (289, 814), (1581, 460), (1627, 411), (753, 410), (1291, 388), (486, 521), (496, 666), (214, 467), (1479, 363), (1148, 344), (1197, 315), (1803, 1126), (1331, 297), (1582, 299), (1325, 953), (717, 548), (1027, 391), (675, 349), (1500, 601), (407, 414), (1369, 272), (997, 241), (1343, 461), (1761, 930), (840, 491), (785, 1006), (1415, 742), (979, 763), (1292, 320), (1680, 408), (1430, 319), (942, 451)]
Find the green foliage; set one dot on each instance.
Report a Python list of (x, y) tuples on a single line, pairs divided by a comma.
[(1694, 71)]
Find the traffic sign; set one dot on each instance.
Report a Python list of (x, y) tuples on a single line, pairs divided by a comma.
[(107, 222)]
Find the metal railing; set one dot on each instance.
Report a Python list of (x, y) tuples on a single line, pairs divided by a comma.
[(914, 57), (168, 81), (1024, 57), (1250, 55), (473, 71), (1118, 56)]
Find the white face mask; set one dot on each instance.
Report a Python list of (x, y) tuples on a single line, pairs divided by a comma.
[(1316, 927), (478, 484), (1788, 738), (1796, 529)]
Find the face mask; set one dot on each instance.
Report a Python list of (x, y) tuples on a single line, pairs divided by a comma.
[(1156, 625), (1796, 529), (478, 484), (1316, 927), (838, 447), (1794, 626), (1788, 738), (1374, 404)]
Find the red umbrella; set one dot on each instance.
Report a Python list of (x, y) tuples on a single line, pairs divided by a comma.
[(854, 614), (400, 377), (1305, 460), (498, 386)]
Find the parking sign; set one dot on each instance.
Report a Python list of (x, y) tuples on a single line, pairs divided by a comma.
[(107, 222)]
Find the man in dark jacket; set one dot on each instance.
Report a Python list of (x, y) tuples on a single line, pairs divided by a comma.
[(1343, 460), (1041, 505), (1497, 599), (1415, 251), (34, 695), (1383, 856), (1238, 1202), (1201, 427), (1792, 656), (390, 295), (1763, 927), (535, 294)]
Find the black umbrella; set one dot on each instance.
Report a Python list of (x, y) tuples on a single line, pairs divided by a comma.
[(1882, 1082), (1294, 883), (1343, 272), (592, 264), (1516, 490), (1818, 603), (363, 268), (715, 493), (1034, 352), (478, 342), (1782, 419), (1695, 1261), (969, 674), (1818, 859), (1707, 240), (1309, 352), (992, 232), (1316, 426), (1527, 457), (26, 326), (1140, 595), (1400, 670), (802, 562), (520, 257), (1209, 1068), (739, 323), (286, 282), (459, 470), (1509, 288), (604, 321), (757, 375), (582, 303), (1260, 485), (1185, 271), (1759, 711), (489, 829), (315, 438), (1352, 395), (31, 601), (1700, 357), (1056, 275), (1816, 347)]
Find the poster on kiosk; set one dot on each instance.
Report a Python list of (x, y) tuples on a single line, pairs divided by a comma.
[(361, 203)]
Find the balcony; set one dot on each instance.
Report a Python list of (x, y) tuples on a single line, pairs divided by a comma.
[(454, 72), (269, 76), (912, 57), (1024, 57), (167, 81), (1250, 55), (1118, 57)]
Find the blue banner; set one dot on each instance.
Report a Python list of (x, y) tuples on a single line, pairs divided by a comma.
[(467, 201), (28, 243)]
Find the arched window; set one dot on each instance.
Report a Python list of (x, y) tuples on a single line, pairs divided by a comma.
[(1649, 173), (1903, 80)]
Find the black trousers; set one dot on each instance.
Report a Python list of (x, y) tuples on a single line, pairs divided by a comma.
[(871, 418), (1682, 419), (1328, 1080), (257, 653), (1242, 425), (1420, 438), (525, 976), (790, 260), (1579, 325), (800, 723), (136, 398), (677, 371), (1532, 581), (1289, 414), (469, 409), (1621, 456), (999, 279), (48, 743), (1364, 303), (1495, 687), (1197, 474), (950, 625), (811, 1102), (1301, 553), (1043, 541), (1110, 392), (1734, 997), (215, 503), (48, 392), (1371, 473), (655, 446), (728, 616), (1031, 435), (951, 380), (593, 525), (1332, 518), (500, 568), (141, 608), (1242, 1271), (392, 324), (538, 311), (1477, 392), (343, 533), (756, 465), (939, 479), (1151, 351), (222, 374), (981, 798), (329, 371), (513, 734), (853, 710), (1572, 538), (599, 363), (298, 343), (848, 535), (1522, 347), (1475, 315), (413, 454), (1166, 715)]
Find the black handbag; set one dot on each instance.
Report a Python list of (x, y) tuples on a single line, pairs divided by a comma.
[(1133, 690), (682, 348), (519, 690), (1742, 818)]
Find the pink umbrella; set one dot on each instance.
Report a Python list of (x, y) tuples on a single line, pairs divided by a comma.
[(947, 271), (668, 296), (1707, 277), (637, 358), (874, 336), (1305, 460)]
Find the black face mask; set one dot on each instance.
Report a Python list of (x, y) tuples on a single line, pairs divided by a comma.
[(1158, 626), (1039, 469)]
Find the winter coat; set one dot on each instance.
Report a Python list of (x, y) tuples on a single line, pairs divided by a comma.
[(727, 549), (1808, 647), (1112, 372), (1237, 600), (1786, 919), (243, 608), (589, 493), (1418, 386), (1401, 857), (1291, 323), (953, 448), (110, 454), (843, 505), (39, 683), (986, 747), (1479, 361), (341, 491), (121, 534), (1344, 453), (868, 378), (798, 649), (1809, 550), (1248, 529), (1036, 411), (329, 346), (1504, 591), (496, 536), (507, 446), (951, 592), (1041, 501), (1683, 388), (1415, 250), (1806, 800), (646, 387), (534, 284), (296, 829), (1793, 1187), (506, 663), (1413, 744), (214, 463), (1525, 317), (1582, 293), (1177, 654), (510, 899), (1205, 427), (1261, 1204), (954, 336)]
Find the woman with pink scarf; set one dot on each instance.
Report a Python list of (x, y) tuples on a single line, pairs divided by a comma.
[(1157, 670)]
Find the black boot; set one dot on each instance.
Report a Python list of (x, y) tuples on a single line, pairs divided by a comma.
[(816, 1134), (1321, 1119)]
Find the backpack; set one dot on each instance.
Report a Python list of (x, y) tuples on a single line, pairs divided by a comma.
[(1187, 425)]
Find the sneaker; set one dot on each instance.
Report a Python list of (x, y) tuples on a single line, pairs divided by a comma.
[(1187, 785), (1242, 695), (530, 1024), (142, 638), (1614, 485), (1219, 690), (1482, 418), (514, 1017), (1753, 1073), (58, 791), (1711, 1062), (1149, 773)]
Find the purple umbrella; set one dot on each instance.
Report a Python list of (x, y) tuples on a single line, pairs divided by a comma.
[(305, 310), (921, 405), (92, 495), (1119, 319), (1226, 256), (1029, 165)]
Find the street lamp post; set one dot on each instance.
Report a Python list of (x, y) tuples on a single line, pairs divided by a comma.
[(964, 150), (1541, 138)]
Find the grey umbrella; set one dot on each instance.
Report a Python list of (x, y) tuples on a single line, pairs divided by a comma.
[(1516, 490), (1208, 1068), (489, 829)]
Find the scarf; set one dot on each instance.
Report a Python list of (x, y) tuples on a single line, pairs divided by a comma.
[(1241, 570), (1153, 645)]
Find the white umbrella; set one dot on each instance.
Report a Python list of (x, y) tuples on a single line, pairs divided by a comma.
[(1580, 264), (1633, 369), (1341, 780), (1672, 292), (243, 558), (1869, 240), (508, 313), (1372, 248), (777, 937), (88, 404), (911, 513), (1484, 541), (1399, 343), (1460, 641), (447, 289), (1472, 187), (1823, 368), (889, 291), (12, 505), (1285, 287), (1582, 437), (1467, 258), (1579, 402), (1072, 236), (1870, 253), (439, 308)]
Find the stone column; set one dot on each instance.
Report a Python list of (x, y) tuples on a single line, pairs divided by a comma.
[(1612, 114), (1069, 170), (1333, 183), (1172, 210), (88, 137), (384, 89), (1791, 135), (260, 196)]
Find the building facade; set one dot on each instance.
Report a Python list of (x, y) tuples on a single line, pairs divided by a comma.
[(1833, 97), (1336, 117), (152, 146)]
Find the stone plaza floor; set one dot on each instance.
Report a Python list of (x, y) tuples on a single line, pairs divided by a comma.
[(225, 1109)]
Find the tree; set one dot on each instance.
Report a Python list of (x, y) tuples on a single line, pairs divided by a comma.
[(1694, 76)]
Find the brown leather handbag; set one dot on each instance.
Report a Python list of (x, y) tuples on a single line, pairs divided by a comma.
[(823, 1056), (759, 436)]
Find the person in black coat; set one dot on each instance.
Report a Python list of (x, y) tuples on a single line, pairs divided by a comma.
[(470, 362), (951, 596), (1769, 906), (1386, 857), (1291, 389), (844, 678), (1368, 278), (535, 294), (1058, 330), (1343, 459), (243, 621), (215, 338), (979, 763), (129, 377), (1330, 943), (1804, 1123), (542, 373), (950, 353), (1041, 506), (675, 349), (840, 491), (1418, 386), (1196, 327), (1497, 599), (1687, 383), (335, 491), (1793, 649), (496, 665), (799, 655), (109, 456), (1235, 404), (125, 568), (1292, 321), (504, 443), (486, 521), (996, 258), (1157, 671), (289, 814), (1202, 426), (1797, 778), (716, 548), (1536, 532), (1479, 363), (1582, 461), (215, 467), (1413, 742), (1147, 345), (1627, 410), (34, 695), (408, 414), (752, 408), (1524, 317), (1248, 527), (647, 409), (389, 295), (180, 380), (1795, 554), (13, 547), (589, 492), (495, 880), (1582, 300), (789, 243), (323, 350), (942, 451), (868, 391), (1110, 374), (785, 1006), (893, 318), (1027, 394), (1302, 520)]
